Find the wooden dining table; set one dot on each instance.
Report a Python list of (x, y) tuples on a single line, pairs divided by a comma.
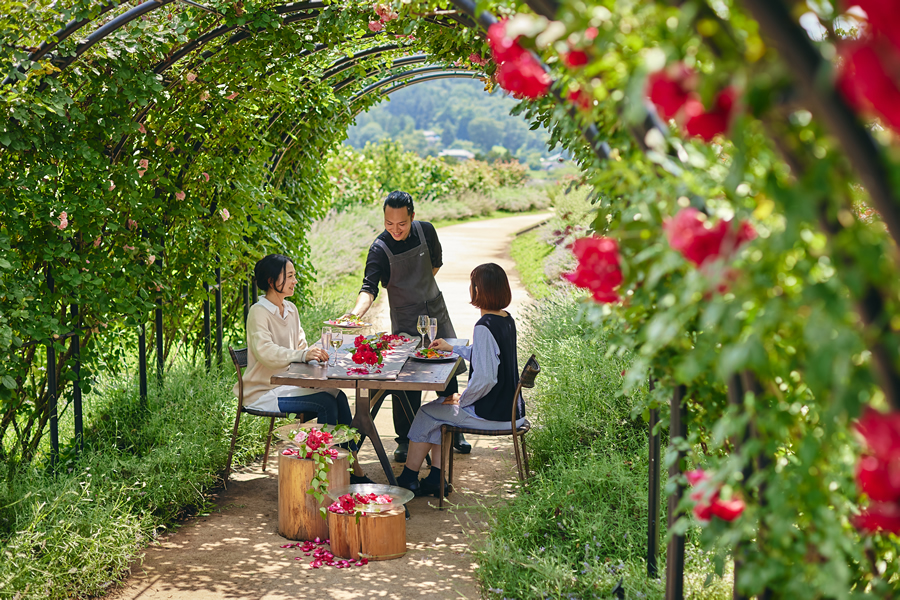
[(415, 375)]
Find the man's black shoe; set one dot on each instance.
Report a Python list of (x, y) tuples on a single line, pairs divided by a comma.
[(460, 443), (400, 452), (426, 488)]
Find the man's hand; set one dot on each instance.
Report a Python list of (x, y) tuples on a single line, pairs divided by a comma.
[(453, 399), (316, 354), (363, 304)]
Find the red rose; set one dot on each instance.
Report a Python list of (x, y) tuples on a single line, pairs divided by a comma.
[(882, 16), (879, 479), (709, 124), (575, 58), (707, 508), (524, 76), (598, 267), (359, 341), (581, 99), (503, 47), (346, 502), (669, 89), (865, 81), (882, 433), (880, 516), (699, 241)]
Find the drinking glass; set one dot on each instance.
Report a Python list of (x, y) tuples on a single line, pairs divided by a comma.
[(337, 338), (432, 329), (422, 327), (326, 338)]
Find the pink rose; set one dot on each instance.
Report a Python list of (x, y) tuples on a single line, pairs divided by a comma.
[(590, 33), (112, 186), (131, 224), (598, 267), (141, 172), (127, 247), (63, 220), (476, 59), (376, 26), (144, 163), (142, 129), (97, 242), (191, 76), (205, 176), (231, 96), (151, 259), (204, 95), (179, 195), (225, 214), (700, 241)]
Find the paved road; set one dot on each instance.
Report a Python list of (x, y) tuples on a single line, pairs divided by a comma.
[(235, 551)]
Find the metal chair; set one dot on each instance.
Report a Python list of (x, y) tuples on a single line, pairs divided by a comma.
[(239, 358), (529, 373)]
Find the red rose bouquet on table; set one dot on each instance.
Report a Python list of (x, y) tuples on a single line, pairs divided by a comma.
[(368, 352)]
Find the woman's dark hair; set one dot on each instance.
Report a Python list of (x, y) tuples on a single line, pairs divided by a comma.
[(490, 287), (269, 269), (400, 199)]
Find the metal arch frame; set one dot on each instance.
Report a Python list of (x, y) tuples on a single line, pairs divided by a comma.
[(419, 75)]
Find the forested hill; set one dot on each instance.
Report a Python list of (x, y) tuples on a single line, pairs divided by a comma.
[(460, 114)]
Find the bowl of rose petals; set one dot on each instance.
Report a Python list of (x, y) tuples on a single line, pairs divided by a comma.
[(367, 498)]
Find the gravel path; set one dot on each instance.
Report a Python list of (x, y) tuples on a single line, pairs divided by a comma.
[(235, 551)]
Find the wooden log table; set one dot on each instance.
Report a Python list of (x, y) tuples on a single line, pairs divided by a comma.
[(415, 375)]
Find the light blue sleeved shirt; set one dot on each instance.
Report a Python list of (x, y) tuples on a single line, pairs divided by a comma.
[(484, 356)]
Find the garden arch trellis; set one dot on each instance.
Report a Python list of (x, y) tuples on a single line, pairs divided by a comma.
[(873, 298)]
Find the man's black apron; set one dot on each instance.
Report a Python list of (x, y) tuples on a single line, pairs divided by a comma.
[(413, 291)]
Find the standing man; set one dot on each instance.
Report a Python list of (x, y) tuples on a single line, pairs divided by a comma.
[(404, 259)]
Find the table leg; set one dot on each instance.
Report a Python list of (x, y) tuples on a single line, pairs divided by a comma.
[(364, 423)]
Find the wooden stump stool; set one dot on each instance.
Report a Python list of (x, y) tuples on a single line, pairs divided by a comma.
[(299, 517), (377, 536)]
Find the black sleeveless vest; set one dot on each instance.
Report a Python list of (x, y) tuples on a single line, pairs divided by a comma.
[(497, 404)]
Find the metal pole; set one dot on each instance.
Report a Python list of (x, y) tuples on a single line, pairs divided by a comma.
[(51, 383), (206, 326), (76, 385), (653, 494), (160, 356), (218, 312), (142, 363), (675, 550)]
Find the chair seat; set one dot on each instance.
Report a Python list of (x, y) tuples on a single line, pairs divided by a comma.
[(264, 413), (523, 428)]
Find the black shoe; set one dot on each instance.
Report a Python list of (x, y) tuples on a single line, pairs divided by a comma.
[(460, 443), (400, 452), (426, 488), (412, 485), (354, 479)]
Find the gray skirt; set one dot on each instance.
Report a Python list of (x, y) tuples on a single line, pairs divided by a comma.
[(427, 425)]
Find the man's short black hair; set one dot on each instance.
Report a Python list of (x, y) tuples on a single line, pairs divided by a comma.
[(400, 199)]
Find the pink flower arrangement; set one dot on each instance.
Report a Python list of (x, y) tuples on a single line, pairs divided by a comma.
[(700, 241), (878, 471), (357, 503), (519, 72), (179, 196), (63, 220), (598, 267), (708, 503)]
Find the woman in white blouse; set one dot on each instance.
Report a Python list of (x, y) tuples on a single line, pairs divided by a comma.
[(487, 400), (276, 339)]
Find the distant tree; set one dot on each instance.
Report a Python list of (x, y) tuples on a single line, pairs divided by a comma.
[(370, 132), (485, 132), (412, 139), (447, 137)]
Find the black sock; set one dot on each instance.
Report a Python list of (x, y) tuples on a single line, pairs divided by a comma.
[(408, 475), (434, 476)]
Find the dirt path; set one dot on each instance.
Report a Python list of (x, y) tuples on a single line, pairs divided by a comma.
[(235, 551)]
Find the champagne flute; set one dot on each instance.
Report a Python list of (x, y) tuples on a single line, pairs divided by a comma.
[(432, 329), (326, 339), (337, 338), (422, 327)]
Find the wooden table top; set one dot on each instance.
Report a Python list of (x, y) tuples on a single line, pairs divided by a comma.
[(415, 375)]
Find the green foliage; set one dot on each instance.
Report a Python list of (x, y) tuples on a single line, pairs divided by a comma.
[(581, 526), (73, 532)]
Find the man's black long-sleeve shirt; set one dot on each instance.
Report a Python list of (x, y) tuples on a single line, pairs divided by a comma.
[(378, 267)]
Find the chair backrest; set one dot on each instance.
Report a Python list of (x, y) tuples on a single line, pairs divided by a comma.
[(531, 370), (239, 358)]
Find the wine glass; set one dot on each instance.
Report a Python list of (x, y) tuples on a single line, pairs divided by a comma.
[(326, 338), (337, 338), (422, 327), (432, 329)]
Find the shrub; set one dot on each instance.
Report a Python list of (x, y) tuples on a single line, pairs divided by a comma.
[(520, 199)]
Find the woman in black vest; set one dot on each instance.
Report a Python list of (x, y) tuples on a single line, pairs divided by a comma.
[(487, 401)]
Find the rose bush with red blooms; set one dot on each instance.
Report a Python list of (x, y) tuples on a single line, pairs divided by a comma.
[(575, 58), (670, 89), (518, 71), (708, 503), (581, 99), (878, 471), (707, 124), (700, 241), (866, 81), (598, 267)]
